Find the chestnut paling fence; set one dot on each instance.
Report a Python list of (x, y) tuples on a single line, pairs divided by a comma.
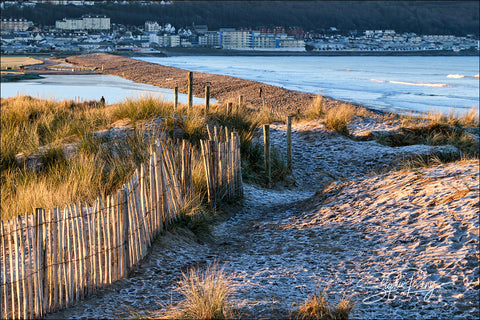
[(53, 258)]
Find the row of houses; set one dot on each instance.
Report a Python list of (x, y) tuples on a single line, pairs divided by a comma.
[(15, 24), (389, 40)]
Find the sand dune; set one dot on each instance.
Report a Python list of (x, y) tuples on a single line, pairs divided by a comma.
[(405, 243)]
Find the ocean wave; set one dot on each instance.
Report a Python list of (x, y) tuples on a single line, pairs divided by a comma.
[(376, 80), (421, 84), (455, 76)]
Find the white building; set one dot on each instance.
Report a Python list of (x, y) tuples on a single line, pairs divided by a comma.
[(84, 23), (152, 26), (15, 24), (254, 40), (209, 39), (237, 40), (264, 41), (165, 40)]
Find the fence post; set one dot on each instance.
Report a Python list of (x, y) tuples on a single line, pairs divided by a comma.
[(39, 239), (213, 172), (207, 99), (4, 296), (289, 144), (263, 102), (125, 222), (229, 108), (190, 90), (266, 142), (240, 101), (175, 99)]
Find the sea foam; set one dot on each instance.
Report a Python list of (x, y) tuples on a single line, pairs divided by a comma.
[(421, 84), (455, 76)]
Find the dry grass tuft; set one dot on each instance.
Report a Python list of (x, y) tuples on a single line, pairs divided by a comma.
[(435, 158), (338, 118), (470, 119), (432, 133), (317, 108), (205, 295), (467, 119), (317, 307)]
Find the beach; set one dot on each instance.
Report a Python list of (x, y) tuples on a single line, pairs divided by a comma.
[(401, 241), (222, 88)]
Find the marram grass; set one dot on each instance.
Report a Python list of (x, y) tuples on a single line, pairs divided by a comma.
[(317, 307), (205, 295), (99, 166)]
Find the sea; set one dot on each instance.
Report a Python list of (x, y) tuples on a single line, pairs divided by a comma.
[(401, 84), (89, 87)]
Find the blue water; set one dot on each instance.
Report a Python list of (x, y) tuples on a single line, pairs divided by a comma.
[(89, 87), (399, 83)]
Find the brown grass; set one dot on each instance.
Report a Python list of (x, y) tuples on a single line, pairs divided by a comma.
[(317, 108), (338, 118), (205, 293), (99, 166), (317, 307), (16, 62), (454, 118)]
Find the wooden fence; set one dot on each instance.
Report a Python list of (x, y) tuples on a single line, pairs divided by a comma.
[(51, 259)]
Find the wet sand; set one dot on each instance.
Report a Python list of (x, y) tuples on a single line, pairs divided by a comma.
[(222, 88)]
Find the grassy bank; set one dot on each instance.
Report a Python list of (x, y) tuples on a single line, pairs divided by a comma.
[(430, 128), (15, 62), (39, 168), (18, 76)]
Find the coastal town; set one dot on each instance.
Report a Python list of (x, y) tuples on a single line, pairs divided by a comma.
[(97, 33)]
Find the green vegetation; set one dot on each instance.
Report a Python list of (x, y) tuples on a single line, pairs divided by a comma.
[(18, 76)]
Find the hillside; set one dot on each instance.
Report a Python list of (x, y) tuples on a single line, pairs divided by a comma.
[(422, 17)]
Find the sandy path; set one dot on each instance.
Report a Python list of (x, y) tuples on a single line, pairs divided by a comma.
[(355, 237), (223, 88)]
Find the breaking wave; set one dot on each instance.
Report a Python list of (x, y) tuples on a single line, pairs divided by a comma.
[(421, 84), (455, 76), (376, 80)]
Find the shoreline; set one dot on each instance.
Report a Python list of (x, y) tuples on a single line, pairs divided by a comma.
[(223, 52), (222, 88), (16, 77), (171, 52)]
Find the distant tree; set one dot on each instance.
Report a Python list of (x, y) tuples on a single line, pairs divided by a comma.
[(424, 17)]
